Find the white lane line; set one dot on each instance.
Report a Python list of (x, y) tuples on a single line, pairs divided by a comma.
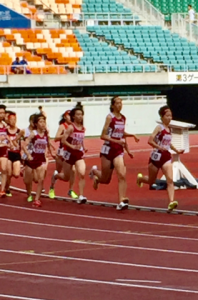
[(82, 242), (109, 231), (103, 282), (19, 297), (136, 280), (98, 217), (98, 261)]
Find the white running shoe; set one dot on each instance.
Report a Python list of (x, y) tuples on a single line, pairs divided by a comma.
[(82, 200), (124, 204), (91, 174)]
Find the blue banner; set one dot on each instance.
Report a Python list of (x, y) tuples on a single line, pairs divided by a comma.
[(11, 19)]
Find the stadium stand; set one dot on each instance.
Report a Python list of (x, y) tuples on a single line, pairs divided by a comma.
[(42, 49), (101, 57), (152, 43), (167, 7)]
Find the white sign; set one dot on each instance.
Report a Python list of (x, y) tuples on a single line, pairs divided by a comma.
[(182, 77)]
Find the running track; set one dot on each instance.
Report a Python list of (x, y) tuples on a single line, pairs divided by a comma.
[(68, 252)]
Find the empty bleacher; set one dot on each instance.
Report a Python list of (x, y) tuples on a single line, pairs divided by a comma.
[(43, 49), (168, 7), (152, 43)]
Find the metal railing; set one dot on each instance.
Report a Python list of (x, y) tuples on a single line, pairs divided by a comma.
[(146, 10), (184, 27), (62, 101), (100, 68)]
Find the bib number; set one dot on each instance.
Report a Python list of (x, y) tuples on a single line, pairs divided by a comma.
[(156, 156), (60, 152), (66, 155), (105, 149)]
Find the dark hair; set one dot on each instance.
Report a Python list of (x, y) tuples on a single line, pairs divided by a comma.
[(12, 113), (162, 110), (190, 5), (113, 100), (73, 111), (37, 117), (8, 112), (63, 120), (31, 118), (2, 106), (40, 107)]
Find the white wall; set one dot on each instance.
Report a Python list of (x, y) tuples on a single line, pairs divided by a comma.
[(141, 114)]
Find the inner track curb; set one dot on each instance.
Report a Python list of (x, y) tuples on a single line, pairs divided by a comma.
[(113, 205)]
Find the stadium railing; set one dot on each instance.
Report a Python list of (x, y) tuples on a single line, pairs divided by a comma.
[(91, 69), (182, 26), (145, 9)]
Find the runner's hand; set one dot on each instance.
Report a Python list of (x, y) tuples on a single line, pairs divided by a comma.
[(130, 154), (136, 139)]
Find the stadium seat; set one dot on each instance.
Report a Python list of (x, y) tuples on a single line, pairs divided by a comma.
[(43, 49), (151, 42)]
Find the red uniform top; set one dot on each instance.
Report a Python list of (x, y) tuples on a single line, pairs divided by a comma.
[(39, 146), (76, 138), (163, 139), (12, 137), (115, 131), (3, 133)]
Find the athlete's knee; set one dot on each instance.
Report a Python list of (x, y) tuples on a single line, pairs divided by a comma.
[(169, 181), (121, 175), (16, 175)]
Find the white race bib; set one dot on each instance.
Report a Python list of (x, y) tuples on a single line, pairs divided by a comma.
[(156, 156), (60, 152), (66, 155), (105, 149)]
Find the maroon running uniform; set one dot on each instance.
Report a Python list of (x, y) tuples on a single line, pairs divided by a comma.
[(71, 156), (3, 144), (61, 148), (39, 148), (163, 139), (14, 153), (116, 131)]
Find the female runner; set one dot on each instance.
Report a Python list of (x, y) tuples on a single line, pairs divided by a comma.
[(14, 156), (63, 125), (4, 141), (112, 153), (73, 143), (35, 168), (160, 157)]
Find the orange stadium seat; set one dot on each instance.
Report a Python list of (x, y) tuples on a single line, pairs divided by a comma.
[(44, 47)]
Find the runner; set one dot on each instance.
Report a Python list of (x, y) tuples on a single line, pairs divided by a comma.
[(63, 125), (160, 157), (73, 143), (112, 153), (35, 168)]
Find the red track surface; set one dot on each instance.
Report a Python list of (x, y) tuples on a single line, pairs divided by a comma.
[(65, 251)]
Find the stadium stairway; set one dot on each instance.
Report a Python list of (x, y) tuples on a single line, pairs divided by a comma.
[(100, 57), (152, 43)]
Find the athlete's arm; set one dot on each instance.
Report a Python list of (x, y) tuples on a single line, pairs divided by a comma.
[(175, 150), (64, 141), (104, 135), (26, 143), (20, 135), (131, 135), (59, 133), (127, 149), (151, 140)]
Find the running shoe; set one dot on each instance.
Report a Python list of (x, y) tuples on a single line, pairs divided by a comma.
[(138, 180), (30, 198), (124, 204), (51, 194), (91, 174), (82, 200), (72, 194), (36, 203), (8, 193), (2, 194), (172, 205)]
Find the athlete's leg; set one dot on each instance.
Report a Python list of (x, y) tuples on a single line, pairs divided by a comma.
[(28, 178), (120, 168), (103, 176), (9, 175), (81, 169), (167, 170), (150, 179), (39, 176), (4, 170)]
